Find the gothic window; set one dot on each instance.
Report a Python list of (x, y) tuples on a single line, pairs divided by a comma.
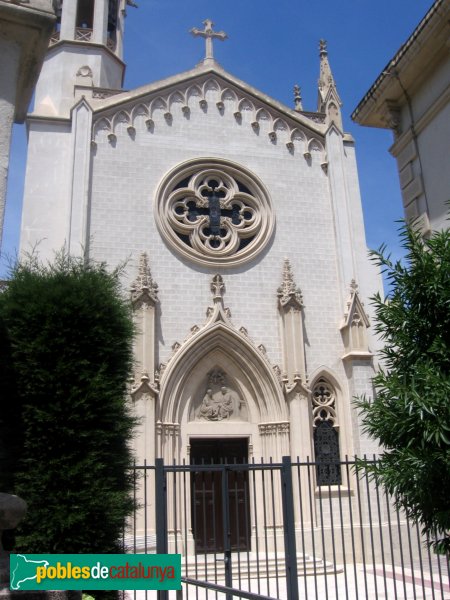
[(326, 435), (214, 212)]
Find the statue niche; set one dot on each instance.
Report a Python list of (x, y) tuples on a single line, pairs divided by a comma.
[(220, 402)]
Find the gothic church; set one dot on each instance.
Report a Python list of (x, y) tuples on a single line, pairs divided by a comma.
[(248, 274)]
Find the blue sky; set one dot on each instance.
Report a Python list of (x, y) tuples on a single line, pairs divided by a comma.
[(272, 45)]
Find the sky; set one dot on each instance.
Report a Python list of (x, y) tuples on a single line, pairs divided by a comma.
[(272, 45)]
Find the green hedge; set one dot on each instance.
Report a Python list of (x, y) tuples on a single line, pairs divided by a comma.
[(66, 349)]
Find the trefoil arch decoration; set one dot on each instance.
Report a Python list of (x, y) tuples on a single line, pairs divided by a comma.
[(326, 433), (158, 109), (214, 212)]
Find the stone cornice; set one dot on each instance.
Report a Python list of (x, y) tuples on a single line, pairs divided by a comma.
[(58, 45)]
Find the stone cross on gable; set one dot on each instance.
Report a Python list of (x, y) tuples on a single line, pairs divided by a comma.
[(209, 34)]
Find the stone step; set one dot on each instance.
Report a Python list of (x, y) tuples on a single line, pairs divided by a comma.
[(253, 567)]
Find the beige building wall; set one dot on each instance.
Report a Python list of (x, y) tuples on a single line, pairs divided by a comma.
[(412, 97)]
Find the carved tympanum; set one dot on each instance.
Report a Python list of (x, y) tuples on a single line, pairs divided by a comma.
[(220, 402)]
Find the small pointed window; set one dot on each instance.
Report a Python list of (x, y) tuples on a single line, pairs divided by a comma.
[(326, 434)]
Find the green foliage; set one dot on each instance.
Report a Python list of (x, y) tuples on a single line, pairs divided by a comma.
[(410, 415), (66, 345)]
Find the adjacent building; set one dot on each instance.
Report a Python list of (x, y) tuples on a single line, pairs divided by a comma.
[(411, 96), (25, 28)]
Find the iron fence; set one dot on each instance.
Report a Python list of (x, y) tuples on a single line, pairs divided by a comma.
[(268, 529)]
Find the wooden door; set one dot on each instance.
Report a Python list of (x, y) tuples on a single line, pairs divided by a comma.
[(207, 500)]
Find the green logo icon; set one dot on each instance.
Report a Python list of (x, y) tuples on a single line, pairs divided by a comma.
[(95, 571)]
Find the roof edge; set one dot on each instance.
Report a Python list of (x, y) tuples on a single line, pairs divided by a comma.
[(362, 110)]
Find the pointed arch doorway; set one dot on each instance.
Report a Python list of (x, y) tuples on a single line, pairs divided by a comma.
[(220, 503), (219, 386)]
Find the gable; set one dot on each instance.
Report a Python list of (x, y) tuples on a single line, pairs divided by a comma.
[(171, 102)]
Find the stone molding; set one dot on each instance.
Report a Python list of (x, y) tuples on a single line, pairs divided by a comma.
[(274, 428), (143, 388), (168, 429)]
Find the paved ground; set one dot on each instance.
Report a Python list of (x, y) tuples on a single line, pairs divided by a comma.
[(352, 583)]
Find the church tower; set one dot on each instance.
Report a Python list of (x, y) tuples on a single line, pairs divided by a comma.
[(82, 69), (86, 50)]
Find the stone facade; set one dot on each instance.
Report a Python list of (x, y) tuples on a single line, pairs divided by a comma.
[(241, 221), (412, 97)]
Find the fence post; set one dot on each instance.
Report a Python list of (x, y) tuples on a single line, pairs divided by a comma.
[(161, 515), (290, 549), (226, 530)]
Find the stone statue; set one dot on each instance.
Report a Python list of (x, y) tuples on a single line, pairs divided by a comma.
[(207, 410)]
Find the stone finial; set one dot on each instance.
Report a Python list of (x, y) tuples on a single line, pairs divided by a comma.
[(144, 285), (328, 97), (288, 292), (326, 76), (208, 34), (218, 312), (217, 286), (298, 98), (353, 287)]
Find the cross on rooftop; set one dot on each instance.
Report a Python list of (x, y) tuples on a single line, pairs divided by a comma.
[(209, 34)]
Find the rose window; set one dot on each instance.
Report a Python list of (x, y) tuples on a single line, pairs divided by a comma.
[(214, 212)]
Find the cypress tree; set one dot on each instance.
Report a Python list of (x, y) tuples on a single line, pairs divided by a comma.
[(66, 343)]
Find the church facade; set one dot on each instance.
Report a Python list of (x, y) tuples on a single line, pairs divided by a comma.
[(241, 222)]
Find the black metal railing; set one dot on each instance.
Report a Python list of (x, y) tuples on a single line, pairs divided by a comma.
[(268, 529)]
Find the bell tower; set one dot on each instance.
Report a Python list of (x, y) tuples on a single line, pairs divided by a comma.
[(85, 52)]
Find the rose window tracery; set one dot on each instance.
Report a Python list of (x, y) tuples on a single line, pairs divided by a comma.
[(214, 212)]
